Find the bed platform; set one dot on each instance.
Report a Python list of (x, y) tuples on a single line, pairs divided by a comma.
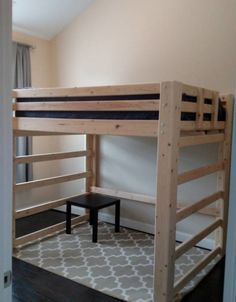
[(178, 115)]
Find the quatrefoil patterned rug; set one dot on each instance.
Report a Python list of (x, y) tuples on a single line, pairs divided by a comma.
[(120, 264)]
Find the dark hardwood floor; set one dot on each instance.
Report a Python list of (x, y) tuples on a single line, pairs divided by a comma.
[(33, 284), (211, 287)]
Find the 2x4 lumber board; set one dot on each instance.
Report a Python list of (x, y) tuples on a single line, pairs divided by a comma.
[(50, 181), (91, 144), (38, 133), (196, 269), (50, 156), (215, 108), (90, 164), (125, 195), (223, 177), (88, 91), (146, 199), (187, 245), (51, 230), (189, 210), (192, 107), (43, 207), (166, 203), (91, 126), (193, 91), (209, 211), (205, 125), (201, 139), (147, 105), (200, 112), (200, 172)]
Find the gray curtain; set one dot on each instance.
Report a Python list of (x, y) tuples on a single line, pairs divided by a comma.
[(21, 72)]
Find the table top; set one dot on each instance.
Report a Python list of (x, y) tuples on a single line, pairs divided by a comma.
[(93, 201)]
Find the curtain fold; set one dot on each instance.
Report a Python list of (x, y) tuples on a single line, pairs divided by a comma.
[(21, 78)]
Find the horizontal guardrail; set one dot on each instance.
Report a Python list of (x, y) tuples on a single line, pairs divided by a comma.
[(50, 156), (191, 209), (50, 181), (200, 172), (187, 245)]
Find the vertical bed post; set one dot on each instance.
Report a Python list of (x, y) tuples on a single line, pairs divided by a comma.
[(91, 142), (224, 153), (13, 193), (167, 172)]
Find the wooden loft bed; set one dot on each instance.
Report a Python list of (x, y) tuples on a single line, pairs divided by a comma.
[(182, 115)]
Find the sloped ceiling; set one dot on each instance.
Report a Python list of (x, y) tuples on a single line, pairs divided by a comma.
[(46, 18)]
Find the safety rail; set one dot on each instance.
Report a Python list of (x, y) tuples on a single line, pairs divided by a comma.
[(88, 154)]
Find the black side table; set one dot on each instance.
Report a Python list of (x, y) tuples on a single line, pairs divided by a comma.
[(94, 202)]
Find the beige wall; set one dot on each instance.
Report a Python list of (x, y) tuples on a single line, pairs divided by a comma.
[(131, 41), (142, 41), (41, 58)]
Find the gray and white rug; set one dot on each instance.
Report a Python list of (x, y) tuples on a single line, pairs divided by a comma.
[(120, 264)]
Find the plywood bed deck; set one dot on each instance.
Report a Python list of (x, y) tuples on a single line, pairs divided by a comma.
[(172, 132)]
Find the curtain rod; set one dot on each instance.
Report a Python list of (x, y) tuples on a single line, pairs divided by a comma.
[(25, 44)]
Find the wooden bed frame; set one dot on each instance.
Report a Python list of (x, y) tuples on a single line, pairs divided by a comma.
[(172, 134)]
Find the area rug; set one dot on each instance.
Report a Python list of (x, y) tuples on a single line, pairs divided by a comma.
[(120, 264)]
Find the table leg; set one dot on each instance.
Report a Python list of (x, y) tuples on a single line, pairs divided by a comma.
[(68, 218), (117, 217), (90, 217), (95, 225)]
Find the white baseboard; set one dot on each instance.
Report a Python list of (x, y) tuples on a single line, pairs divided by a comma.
[(144, 227)]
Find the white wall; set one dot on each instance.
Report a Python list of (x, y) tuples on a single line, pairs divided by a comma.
[(131, 41), (6, 148)]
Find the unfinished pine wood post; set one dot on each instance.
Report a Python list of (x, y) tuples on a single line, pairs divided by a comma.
[(91, 161), (224, 153), (167, 180), (91, 142), (215, 109), (14, 194), (200, 108)]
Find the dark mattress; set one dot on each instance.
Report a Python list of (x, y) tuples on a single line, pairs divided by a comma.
[(112, 115)]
